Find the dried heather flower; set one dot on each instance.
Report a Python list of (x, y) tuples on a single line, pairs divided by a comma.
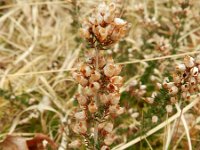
[(92, 107), (103, 85), (105, 147), (104, 98), (185, 79), (155, 119), (169, 108), (109, 139), (108, 127), (75, 144), (99, 77), (80, 115), (181, 67), (82, 100), (189, 61), (104, 26)]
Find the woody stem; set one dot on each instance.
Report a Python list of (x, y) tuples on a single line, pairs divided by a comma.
[(96, 99)]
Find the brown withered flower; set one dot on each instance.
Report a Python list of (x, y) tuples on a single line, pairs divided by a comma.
[(186, 79), (104, 27), (104, 83)]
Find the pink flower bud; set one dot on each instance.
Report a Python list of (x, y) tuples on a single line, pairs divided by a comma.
[(112, 7), (173, 100), (110, 27), (80, 127), (108, 127), (119, 22), (114, 98), (143, 87), (80, 79), (75, 144), (103, 33), (102, 62), (85, 33), (168, 85), (95, 77), (80, 115), (193, 89), (104, 98), (101, 125), (194, 71), (154, 119), (87, 91), (198, 59), (173, 90), (92, 107), (111, 87), (149, 100), (113, 109), (120, 110), (117, 80), (180, 67), (92, 20), (169, 108), (109, 70), (118, 69), (198, 78), (109, 139), (185, 87), (102, 8), (192, 81), (159, 86), (105, 147), (99, 18), (115, 34), (108, 18), (185, 95), (82, 100), (116, 110), (176, 78), (189, 61), (86, 70), (96, 31), (95, 86)]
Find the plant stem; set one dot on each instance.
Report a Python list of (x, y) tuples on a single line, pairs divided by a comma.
[(96, 100)]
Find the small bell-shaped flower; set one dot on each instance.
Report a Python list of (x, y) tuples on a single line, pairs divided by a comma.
[(92, 107), (189, 61)]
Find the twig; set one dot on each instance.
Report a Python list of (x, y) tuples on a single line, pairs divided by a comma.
[(96, 99)]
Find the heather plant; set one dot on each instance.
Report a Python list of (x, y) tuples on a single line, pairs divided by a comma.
[(99, 79)]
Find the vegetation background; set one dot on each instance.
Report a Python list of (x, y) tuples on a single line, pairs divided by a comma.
[(40, 45)]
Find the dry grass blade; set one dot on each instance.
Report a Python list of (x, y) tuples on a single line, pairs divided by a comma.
[(160, 126), (123, 63)]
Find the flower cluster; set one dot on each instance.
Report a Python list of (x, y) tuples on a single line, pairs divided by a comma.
[(99, 97), (136, 89), (162, 44), (105, 26), (180, 12), (150, 22), (186, 79)]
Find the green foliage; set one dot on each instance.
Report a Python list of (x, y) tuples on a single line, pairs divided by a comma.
[(148, 72)]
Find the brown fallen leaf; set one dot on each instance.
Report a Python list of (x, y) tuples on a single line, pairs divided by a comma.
[(20, 143), (37, 141), (14, 143)]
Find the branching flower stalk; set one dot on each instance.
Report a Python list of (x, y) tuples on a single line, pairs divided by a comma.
[(186, 79), (186, 82), (99, 79)]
